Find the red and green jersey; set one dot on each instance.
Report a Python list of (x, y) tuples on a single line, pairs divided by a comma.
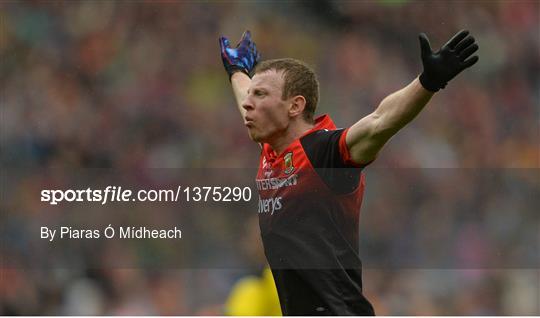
[(309, 205)]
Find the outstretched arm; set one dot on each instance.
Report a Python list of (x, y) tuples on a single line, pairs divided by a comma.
[(239, 63), (366, 137)]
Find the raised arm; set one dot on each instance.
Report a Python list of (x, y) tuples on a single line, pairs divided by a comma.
[(240, 84), (366, 137), (239, 63)]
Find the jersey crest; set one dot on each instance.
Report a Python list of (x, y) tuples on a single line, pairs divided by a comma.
[(288, 160)]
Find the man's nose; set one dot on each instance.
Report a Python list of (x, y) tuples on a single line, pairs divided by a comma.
[(247, 105)]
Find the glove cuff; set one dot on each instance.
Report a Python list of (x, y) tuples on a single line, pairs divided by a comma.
[(429, 84)]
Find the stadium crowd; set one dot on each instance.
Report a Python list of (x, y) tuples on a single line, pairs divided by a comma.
[(448, 224)]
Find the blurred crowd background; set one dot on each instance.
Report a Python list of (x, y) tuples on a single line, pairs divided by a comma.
[(136, 85)]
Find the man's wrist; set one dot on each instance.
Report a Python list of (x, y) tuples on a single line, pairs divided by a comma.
[(234, 70), (238, 73), (429, 84)]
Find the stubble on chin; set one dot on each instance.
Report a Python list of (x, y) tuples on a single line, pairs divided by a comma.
[(253, 136)]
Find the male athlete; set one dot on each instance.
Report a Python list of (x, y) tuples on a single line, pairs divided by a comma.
[(310, 177)]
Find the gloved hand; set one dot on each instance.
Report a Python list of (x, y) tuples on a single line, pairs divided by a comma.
[(243, 58), (443, 65)]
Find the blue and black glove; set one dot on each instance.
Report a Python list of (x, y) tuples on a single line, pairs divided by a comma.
[(243, 58), (453, 57)]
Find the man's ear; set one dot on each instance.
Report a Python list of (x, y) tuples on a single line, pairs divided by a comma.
[(297, 106)]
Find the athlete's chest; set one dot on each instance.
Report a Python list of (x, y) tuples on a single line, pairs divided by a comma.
[(285, 181), (280, 172)]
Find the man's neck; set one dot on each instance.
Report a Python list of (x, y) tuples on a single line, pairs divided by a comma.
[(294, 132)]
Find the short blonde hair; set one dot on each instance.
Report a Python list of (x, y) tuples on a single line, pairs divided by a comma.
[(299, 79)]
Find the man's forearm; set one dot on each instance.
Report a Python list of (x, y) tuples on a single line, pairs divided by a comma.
[(400, 108), (240, 83), (367, 136)]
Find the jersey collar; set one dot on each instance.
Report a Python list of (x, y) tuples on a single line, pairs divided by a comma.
[(321, 122)]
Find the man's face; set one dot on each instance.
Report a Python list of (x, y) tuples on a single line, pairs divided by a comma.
[(266, 113)]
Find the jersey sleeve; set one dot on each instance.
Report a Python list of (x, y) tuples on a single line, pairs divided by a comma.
[(329, 155), (345, 153)]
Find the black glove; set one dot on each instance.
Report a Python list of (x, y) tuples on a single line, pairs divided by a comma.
[(443, 65)]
